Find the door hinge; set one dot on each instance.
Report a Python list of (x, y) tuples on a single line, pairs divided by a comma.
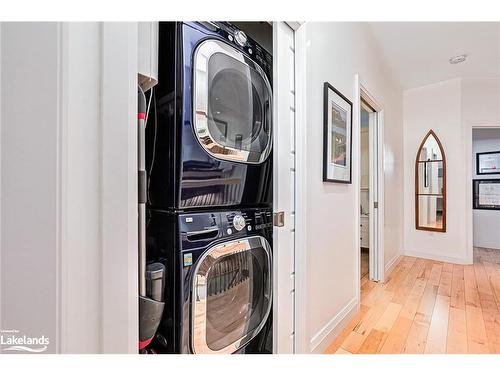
[(279, 219), (375, 204)]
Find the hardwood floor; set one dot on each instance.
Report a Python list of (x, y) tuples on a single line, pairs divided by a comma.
[(426, 306), (364, 264)]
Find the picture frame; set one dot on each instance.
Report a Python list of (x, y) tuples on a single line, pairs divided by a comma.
[(486, 194), (337, 136), (488, 163)]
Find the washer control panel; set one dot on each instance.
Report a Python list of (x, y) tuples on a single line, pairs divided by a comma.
[(247, 221), (198, 229)]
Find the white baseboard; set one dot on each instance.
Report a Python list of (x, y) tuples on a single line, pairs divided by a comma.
[(321, 341), (392, 263), (437, 257)]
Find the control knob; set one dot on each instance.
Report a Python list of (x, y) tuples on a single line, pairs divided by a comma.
[(240, 38), (239, 222)]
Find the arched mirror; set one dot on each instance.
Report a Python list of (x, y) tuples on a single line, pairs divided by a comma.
[(430, 185)]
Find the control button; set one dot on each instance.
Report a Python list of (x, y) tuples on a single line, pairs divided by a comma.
[(239, 222), (250, 51), (249, 227), (240, 37), (229, 231), (230, 37)]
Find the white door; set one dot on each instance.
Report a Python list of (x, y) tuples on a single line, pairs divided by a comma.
[(284, 188)]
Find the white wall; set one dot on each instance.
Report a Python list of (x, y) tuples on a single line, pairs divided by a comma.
[(336, 52), (68, 199), (481, 107), (451, 108), (30, 169), (437, 107), (486, 222)]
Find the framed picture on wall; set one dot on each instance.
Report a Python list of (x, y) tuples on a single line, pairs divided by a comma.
[(488, 162), (486, 194), (337, 136)]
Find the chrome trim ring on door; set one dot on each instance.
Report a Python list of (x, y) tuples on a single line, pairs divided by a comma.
[(201, 99), (199, 294)]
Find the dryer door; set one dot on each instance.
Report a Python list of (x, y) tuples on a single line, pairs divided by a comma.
[(232, 100), (231, 295)]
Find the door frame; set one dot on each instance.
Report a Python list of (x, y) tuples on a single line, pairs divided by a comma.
[(469, 224), (282, 263), (361, 92), (301, 266)]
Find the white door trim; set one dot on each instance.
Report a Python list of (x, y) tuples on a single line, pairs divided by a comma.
[(119, 188), (360, 91), (284, 188), (301, 266), (469, 224)]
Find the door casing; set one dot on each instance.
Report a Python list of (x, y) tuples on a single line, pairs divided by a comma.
[(376, 185)]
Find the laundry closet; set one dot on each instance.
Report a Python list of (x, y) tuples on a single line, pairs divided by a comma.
[(209, 191)]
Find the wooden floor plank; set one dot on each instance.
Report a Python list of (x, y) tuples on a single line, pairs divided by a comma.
[(457, 298), (386, 321), (371, 297), (334, 347), (373, 314), (398, 334), (438, 330), (417, 337), (456, 342), (471, 292), (373, 342), (402, 293), (448, 267), (494, 279), (476, 332), (342, 351), (445, 283), (435, 275), (353, 342), (483, 283), (396, 339), (403, 269)]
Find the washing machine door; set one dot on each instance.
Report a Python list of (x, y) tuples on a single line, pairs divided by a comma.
[(231, 295), (233, 104)]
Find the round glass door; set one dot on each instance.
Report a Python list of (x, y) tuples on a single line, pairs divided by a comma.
[(231, 295), (232, 98)]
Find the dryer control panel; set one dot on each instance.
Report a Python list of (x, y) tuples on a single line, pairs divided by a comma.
[(241, 41)]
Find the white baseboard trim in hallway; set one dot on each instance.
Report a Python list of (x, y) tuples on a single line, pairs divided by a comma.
[(321, 341), (439, 258)]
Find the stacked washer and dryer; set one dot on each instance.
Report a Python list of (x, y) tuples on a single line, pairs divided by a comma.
[(209, 203)]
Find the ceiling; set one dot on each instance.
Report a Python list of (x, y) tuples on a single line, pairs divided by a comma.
[(418, 52)]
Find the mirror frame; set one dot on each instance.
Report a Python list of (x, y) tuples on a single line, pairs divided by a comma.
[(443, 194)]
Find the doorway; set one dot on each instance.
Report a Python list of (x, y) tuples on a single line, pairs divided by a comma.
[(486, 194), (370, 189), (366, 115)]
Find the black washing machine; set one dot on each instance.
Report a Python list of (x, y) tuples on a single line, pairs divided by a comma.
[(209, 133), (218, 280)]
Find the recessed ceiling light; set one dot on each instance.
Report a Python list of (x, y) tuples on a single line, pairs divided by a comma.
[(458, 59)]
